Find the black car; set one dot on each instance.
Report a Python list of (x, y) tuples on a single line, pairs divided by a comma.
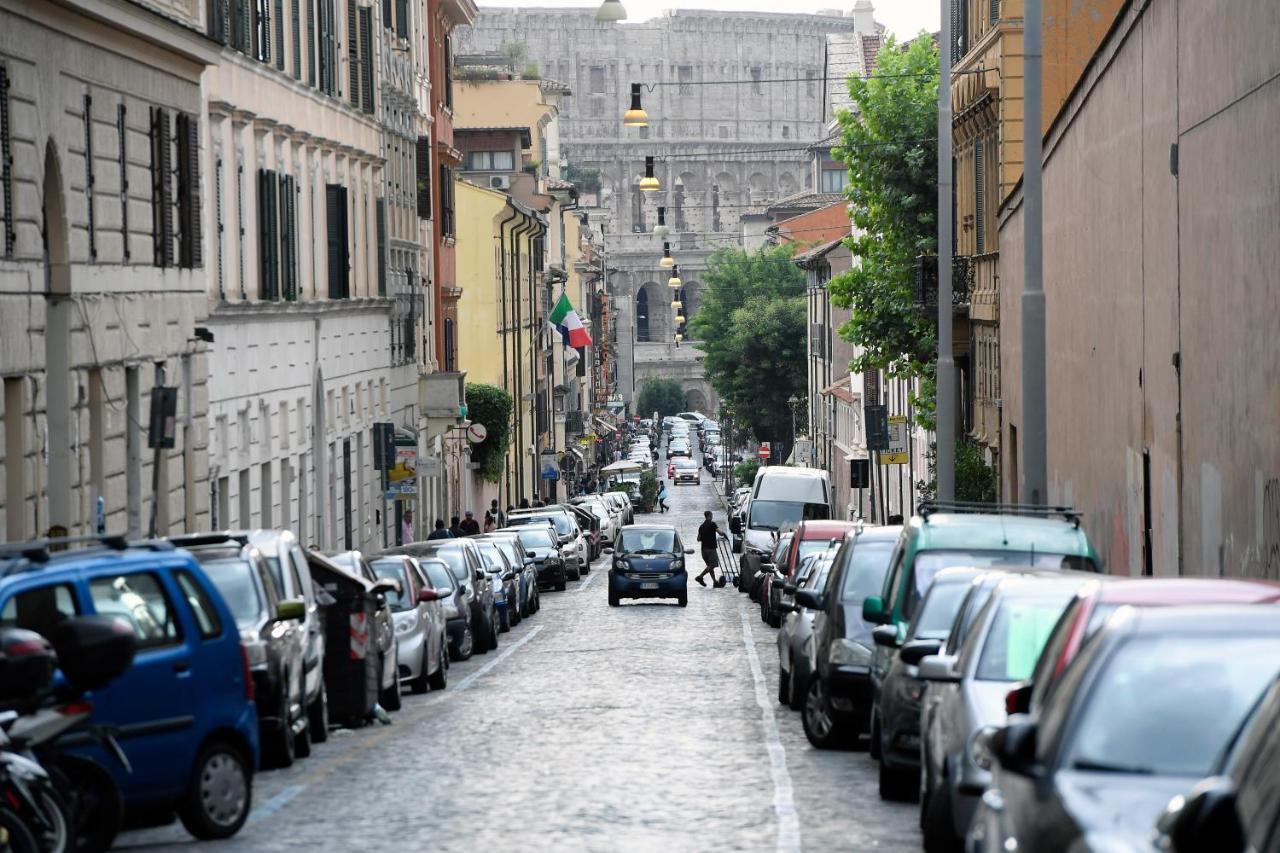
[(648, 562), (469, 570), (1139, 716), (837, 696), (541, 542), (271, 634)]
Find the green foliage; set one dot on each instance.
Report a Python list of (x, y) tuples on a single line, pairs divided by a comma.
[(744, 473), (975, 479), (889, 142), (663, 396), (587, 180), (491, 406), (752, 325), (531, 72), (648, 489), (516, 53)]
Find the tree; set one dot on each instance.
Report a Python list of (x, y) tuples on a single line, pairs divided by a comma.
[(491, 406), (744, 473), (889, 142), (752, 325), (663, 396), (975, 479)]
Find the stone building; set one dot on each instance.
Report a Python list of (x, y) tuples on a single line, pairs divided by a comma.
[(719, 148), (102, 261)]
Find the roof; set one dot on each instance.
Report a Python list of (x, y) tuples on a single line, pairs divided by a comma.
[(817, 251), (880, 532), (525, 138), (995, 532), (1172, 591), (1200, 619), (807, 201)]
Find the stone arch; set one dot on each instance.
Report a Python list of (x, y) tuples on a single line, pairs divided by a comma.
[(58, 378), (695, 400), (644, 311), (760, 188), (689, 297), (787, 184)]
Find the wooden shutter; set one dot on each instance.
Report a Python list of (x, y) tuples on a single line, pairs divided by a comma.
[(6, 162), (402, 18), (423, 166), (325, 26), (353, 56), (279, 35), (957, 30), (289, 208), (220, 21), (311, 42), (979, 197), (268, 236), (295, 21), (219, 227), (88, 176), (366, 60), (161, 188), (386, 13), (995, 10), (122, 154), (381, 215), (239, 34), (189, 249), (335, 202), (262, 31)]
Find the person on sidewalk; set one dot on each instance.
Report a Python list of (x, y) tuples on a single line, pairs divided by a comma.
[(406, 527), (707, 533), (662, 497), (441, 532), (454, 531), (469, 525)]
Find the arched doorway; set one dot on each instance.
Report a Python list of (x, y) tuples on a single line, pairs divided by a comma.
[(695, 401), (57, 341), (642, 315)]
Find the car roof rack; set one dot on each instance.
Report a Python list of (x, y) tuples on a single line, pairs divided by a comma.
[(927, 508), (40, 551), (222, 538)]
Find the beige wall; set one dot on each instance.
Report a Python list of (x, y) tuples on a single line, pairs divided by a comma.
[(1142, 266)]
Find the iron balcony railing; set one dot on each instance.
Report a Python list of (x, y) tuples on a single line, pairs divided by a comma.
[(926, 285)]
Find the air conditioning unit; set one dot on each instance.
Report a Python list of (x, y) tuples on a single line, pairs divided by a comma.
[(499, 182)]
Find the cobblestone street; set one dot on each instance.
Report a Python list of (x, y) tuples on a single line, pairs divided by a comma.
[(643, 727)]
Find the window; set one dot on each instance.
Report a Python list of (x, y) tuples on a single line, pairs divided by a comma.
[(402, 18), (189, 248), (207, 622), (161, 188), (979, 197), (450, 345), (491, 161), (122, 156), (268, 236), (995, 11), (810, 84), (642, 315), (328, 47), (597, 80), (295, 21), (446, 201), (448, 72), (40, 609), (335, 198), (139, 598), (724, 131), (684, 75), (834, 180), (380, 215), (262, 30), (88, 175), (757, 73), (6, 163), (423, 169)]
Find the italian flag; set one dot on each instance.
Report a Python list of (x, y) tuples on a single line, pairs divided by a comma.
[(564, 318)]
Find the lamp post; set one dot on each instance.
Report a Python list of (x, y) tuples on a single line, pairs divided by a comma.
[(793, 401)]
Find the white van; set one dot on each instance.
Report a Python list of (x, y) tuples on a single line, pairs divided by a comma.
[(782, 496)]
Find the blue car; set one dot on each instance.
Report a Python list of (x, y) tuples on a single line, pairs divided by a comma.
[(648, 562), (183, 712)]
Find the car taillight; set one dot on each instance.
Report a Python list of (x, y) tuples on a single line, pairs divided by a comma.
[(79, 706), (245, 673)]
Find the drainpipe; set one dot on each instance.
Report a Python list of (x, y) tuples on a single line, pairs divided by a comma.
[(502, 319), (518, 234), (538, 232)]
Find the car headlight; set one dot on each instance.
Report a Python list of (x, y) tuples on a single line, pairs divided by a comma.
[(849, 653), (677, 565), (405, 624), (620, 564), (254, 649), (553, 561)]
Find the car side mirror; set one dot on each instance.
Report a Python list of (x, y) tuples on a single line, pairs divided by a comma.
[(810, 599), (915, 651), (479, 576), (938, 668), (291, 609), (1206, 819), (1018, 700), (529, 561), (735, 526), (427, 594), (608, 550), (1014, 747), (873, 610), (509, 576), (885, 636), (530, 554)]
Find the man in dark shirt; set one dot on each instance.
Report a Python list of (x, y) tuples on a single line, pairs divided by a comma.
[(440, 532), (469, 525), (454, 530), (707, 533)]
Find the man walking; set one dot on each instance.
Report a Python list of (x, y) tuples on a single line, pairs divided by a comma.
[(469, 526), (454, 530), (707, 533), (441, 532), (662, 497)]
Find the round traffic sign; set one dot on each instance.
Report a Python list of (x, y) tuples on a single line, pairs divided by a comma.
[(763, 452), (476, 433)]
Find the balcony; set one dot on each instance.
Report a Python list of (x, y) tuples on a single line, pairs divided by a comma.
[(926, 284)]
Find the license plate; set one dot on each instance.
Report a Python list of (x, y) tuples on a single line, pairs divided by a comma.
[(648, 586)]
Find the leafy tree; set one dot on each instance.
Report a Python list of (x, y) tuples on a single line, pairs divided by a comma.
[(889, 142), (663, 396), (648, 489), (491, 406), (752, 325), (975, 479), (744, 473)]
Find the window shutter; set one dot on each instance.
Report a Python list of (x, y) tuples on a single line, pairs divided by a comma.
[(335, 202), (279, 35), (424, 177), (995, 10), (219, 227), (311, 42), (189, 249), (979, 197), (264, 30), (366, 61), (381, 214), (6, 162), (88, 176), (353, 56), (386, 13), (402, 18), (122, 152), (220, 21), (957, 30), (295, 21), (291, 239), (161, 188), (268, 235), (324, 45)]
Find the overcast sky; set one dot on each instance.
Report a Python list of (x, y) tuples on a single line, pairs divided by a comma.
[(903, 18)]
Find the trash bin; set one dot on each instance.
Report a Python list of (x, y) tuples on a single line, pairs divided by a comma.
[(351, 674)]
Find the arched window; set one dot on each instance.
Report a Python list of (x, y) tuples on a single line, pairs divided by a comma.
[(642, 315)]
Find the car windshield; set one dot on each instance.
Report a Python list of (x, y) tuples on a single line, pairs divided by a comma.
[(809, 547), (492, 559), (234, 579), (535, 537), (771, 515), (864, 571), (686, 464), (641, 541), (394, 569), (456, 560), (929, 563), (939, 611), (1018, 633), (438, 573), (560, 520), (1191, 691)]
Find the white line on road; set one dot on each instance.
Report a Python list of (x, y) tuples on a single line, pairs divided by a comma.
[(276, 803), (783, 804), (470, 679), (586, 583)]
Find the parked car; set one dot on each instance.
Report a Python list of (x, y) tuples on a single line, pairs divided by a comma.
[(590, 525), (1001, 649), (1138, 718), (183, 713), (288, 563), (648, 562), (548, 560), (780, 496), (678, 447), (453, 607), (795, 640), (422, 653), (811, 537), (469, 571), (607, 516), (836, 699), (271, 631), (623, 501), (522, 563), (573, 547), (686, 472), (505, 584), (383, 632)]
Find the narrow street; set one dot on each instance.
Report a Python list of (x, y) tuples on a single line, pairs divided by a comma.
[(643, 727)]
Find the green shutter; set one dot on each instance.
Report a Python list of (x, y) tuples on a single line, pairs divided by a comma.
[(381, 213)]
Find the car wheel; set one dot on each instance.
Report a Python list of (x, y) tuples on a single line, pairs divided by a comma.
[(504, 621), (683, 599), (614, 598), (439, 679), (784, 687), (576, 576), (560, 587), (493, 630), (584, 569), (465, 646), (873, 742), (419, 684), (775, 617), (18, 835), (318, 716), (796, 695), (939, 829), (821, 725), (898, 784), (391, 695), (217, 801)]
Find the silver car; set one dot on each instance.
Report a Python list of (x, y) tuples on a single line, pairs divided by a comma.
[(966, 693), (422, 656), (795, 640)]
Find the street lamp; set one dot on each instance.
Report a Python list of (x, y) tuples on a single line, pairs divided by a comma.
[(636, 116), (611, 10), (793, 401), (649, 183)]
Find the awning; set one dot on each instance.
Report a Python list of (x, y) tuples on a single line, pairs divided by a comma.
[(622, 467), (575, 453), (603, 427)]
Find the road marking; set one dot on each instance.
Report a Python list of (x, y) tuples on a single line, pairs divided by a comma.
[(595, 573), (276, 803), (471, 679), (783, 805)]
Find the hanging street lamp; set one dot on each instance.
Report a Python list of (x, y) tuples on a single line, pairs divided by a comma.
[(649, 184), (674, 282), (636, 116), (667, 261), (661, 230), (611, 10)]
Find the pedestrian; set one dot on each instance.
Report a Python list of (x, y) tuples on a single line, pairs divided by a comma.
[(896, 518), (440, 532), (707, 533), (662, 497), (498, 518), (454, 530), (406, 527), (671, 470), (524, 503), (469, 526)]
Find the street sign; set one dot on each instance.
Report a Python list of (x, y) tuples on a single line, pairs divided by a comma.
[(548, 465), (384, 446), (859, 473), (764, 450), (476, 433), (877, 427), (896, 453)]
